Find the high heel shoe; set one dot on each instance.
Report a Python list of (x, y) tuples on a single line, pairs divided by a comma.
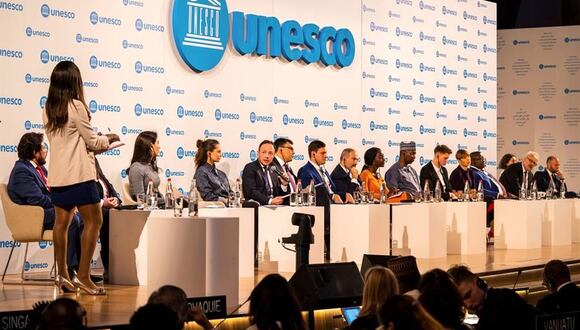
[(64, 285), (99, 291)]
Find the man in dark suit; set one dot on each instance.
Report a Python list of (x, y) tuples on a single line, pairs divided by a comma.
[(314, 171), (28, 185), (259, 183), (564, 294), (492, 188), (345, 175), (519, 174), (435, 171), (283, 154), (552, 174)]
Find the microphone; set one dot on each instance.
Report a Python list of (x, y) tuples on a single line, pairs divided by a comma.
[(517, 278), (274, 169)]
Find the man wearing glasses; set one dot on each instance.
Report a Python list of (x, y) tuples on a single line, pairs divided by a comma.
[(519, 174), (283, 154)]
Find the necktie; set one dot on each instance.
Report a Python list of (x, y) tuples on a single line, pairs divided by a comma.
[(43, 177), (325, 179), (290, 177), (267, 180)]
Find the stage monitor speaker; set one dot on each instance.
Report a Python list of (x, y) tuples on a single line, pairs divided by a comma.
[(321, 286), (404, 267)]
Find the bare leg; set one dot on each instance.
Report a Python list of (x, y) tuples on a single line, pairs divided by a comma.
[(60, 237), (92, 218)]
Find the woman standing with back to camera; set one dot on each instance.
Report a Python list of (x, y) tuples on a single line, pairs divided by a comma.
[(73, 172)]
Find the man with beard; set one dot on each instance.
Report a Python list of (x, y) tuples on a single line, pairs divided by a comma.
[(401, 176)]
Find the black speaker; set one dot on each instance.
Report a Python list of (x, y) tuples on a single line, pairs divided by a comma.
[(404, 267), (321, 286)]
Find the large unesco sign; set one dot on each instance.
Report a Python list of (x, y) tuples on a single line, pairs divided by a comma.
[(201, 33)]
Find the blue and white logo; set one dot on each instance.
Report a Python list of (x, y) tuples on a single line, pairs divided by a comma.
[(316, 122), (219, 115), (30, 32), (28, 125), (253, 155), (94, 107), (46, 57), (46, 11), (401, 129), (140, 110), (94, 63), (182, 153), (9, 100), (247, 136), (96, 19), (379, 127), (348, 125), (182, 112), (287, 120), (449, 131), (426, 130), (200, 32), (169, 132), (467, 133)]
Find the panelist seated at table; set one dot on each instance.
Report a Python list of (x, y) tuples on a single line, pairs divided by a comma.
[(212, 183), (401, 175), (462, 173), (284, 154), (492, 188), (551, 174), (345, 176), (519, 174), (435, 171), (314, 171), (370, 175), (259, 182), (144, 164)]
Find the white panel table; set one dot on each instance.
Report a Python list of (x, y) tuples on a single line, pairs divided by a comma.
[(275, 223), (466, 227), (518, 224), (576, 221), (358, 229), (557, 222)]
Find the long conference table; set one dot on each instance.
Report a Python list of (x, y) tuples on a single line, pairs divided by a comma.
[(207, 254)]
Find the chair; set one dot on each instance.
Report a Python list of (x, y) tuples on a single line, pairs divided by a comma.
[(127, 199), (25, 222)]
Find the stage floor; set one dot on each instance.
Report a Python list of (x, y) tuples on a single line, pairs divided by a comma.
[(121, 301)]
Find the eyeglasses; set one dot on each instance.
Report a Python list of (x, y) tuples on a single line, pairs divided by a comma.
[(289, 148)]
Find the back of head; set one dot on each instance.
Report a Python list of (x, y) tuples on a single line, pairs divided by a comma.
[(380, 284), (155, 317), (29, 144), (272, 301), (63, 314), (440, 297), (556, 272), (460, 274), (65, 86), (142, 149), (405, 313), (172, 297)]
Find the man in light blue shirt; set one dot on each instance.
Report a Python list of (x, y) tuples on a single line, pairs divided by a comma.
[(401, 176)]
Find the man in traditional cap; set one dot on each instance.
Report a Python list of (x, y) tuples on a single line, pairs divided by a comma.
[(401, 175)]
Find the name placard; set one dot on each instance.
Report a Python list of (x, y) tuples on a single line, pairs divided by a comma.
[(560, 321), (214, 306), (17, 320)]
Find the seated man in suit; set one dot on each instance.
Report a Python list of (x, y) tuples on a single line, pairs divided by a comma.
[(519, 174), (345, 175), (259, 182), (314, 171), (492, 188), (552, 174), (401, 176), (564, 294), (284, 154), (28, 185), (435, 171)]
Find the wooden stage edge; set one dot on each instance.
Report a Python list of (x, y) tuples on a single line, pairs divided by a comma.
[(121, 301)]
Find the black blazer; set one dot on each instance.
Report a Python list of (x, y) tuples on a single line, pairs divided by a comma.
[(343, 182), (110, 188), (281, 169), (504, 309), (567, 299), (512, 178), (428, 173), (253, 184), (542, 179)]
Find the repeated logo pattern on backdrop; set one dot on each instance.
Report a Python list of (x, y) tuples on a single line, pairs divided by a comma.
[(362, 74), (539, 95)]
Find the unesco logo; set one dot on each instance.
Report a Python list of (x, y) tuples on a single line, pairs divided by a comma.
[(218, 114), (200, 32), (253, 155), (138, 110), (42, 102)]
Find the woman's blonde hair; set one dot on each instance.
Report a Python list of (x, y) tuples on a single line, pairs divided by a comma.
[(380, 284)]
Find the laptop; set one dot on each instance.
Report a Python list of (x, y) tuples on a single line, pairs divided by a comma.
[(350, 313)]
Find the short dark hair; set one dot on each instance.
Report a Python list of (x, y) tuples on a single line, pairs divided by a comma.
[(280, 142), (442, 149), (314, 146), (475, 154), (461, 153), (460, 274), (265, 142), (556, 271), (172, 297), (504, 160), (551, 158), (29, 144)]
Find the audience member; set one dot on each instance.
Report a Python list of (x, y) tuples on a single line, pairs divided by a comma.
[(520, 174), (176, 299), (496, 308), (551, 174), (28, 185), (505, 161), (273, 306), (370, 176), (440, 297), (284, 154), (72, 166), (63, 314), (564, 294), (462, 173), (402, 312), (380, 284), (143, 167), (401, 175), (259, 183), (345, 175), (314, 171), (211, 182), (155, 317), (435, 171)]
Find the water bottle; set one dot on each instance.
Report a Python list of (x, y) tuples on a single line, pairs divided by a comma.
[(480, 191), (311, 194), (466, 191), (193, 199), (169, 195), (364, 194), (550, 190), (427, 192), (151, 196), (438, 192), (523, 192), (534, 191), (563, 189), (384, 193), (299, 201)]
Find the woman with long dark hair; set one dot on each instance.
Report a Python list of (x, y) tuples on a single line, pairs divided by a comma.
[(505, 161), (73, 172), (273, 306), (212, 183), (144, 163), (370, 175)]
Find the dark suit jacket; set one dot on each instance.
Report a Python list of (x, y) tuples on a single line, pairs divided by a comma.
[(307, 173), (458, 177), (490, 190), (343, 182), (512, 178), (567, 299), (542, 179), (25, 187), (504, 309), (110, 188), (254, 186), (428, 173), (281, 169)]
